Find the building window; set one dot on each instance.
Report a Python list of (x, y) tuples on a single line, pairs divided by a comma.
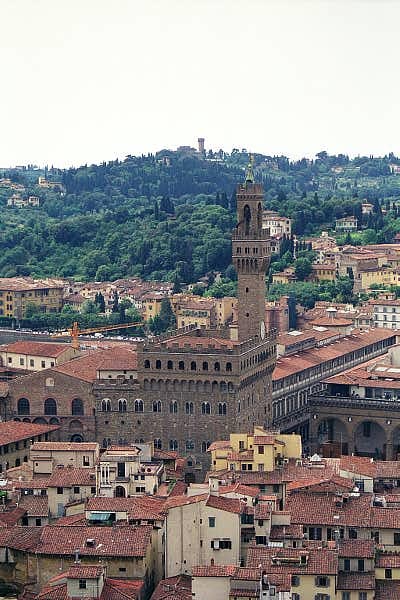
[(260, 449), (189, 408), (158, 364), (76, 490), (346, 596), (86, 461), (60, 490), (43, 364), (362, 596), (322, 581), (189, 445), (205, 446), (222, 408), (229, 366), (157, 406), (205, 366), (157, 444), (352, 533), (295, 580), (138, 406), (77, 406), (205, 408), (193, 365), (173, 445), (82, 584), (181, 365), (388, 573), (23, 407), (147, 364), (211, 521), (170, 365), (31, 362), (106, 405), (173, 407), (361, 566), (217, 366), (346, 564), (50, 406), (122, 405)]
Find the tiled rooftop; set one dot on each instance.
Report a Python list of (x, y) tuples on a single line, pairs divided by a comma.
[(14, 431), (32, 348)]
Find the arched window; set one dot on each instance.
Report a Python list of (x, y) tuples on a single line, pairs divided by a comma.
[(181, 365), (217, 366), (229, 366), (158, 364), (173, 445), (170, 365), (49, 382), (205, 408), (106, 405), (23, 406), (189, 408), (138, 406), (189, 445), (205, 446), (222, 386), (173, 407), (106, 442), (205, 366), (157, 444), (50, 406), (147, 364), (157, 406), (77, 407), (222, 408), (122, 405), (193, 365)]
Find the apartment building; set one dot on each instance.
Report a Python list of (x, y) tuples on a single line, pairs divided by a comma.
[(17, 292), (35, 356)]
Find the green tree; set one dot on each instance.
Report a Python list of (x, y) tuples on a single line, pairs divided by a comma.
[(302, 268)]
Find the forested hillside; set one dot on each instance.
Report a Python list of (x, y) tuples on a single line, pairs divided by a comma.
[(172, 213)]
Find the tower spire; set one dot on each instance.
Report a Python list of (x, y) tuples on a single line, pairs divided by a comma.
[(249, 178)]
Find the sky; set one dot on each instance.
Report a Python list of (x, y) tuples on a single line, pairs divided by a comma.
[(83, 81)]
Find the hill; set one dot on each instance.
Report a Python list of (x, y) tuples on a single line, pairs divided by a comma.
[(172, 213)]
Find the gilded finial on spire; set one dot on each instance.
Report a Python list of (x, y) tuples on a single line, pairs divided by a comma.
[(249, 178)]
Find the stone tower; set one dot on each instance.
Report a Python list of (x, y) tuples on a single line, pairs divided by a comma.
[(250, 256)]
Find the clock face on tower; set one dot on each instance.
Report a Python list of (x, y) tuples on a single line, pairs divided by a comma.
[(262, 330)]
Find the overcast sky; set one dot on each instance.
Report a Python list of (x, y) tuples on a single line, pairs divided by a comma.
[(84, 81)]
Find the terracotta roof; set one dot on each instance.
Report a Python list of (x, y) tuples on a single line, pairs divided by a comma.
[(33, 484), (31, 348), (35, 506), (267, 440), (62, 446), (108, 541), (331, 322), (285, 532), (219, 445), (78, 571), (387, 561), (387, 590), (137, 507), (308, 359), (179, 488), (121, 357), (321, 483), (356, 581), (20, 538), (184, 500), (356, 548), (10, 518), (358, 464), (318, 509), (27, 283), (114, 589), (14, 431), (70, 476), (174, 588), (387, 469), (321, 561), (233, 505), (214, 571), (262, 510), (78, 519), (239, 488)]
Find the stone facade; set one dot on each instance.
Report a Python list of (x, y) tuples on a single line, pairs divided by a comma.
[(193, 386)]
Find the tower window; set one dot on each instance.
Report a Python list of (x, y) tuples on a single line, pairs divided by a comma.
[(181, 365)]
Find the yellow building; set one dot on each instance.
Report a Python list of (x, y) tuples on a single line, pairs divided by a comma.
[(259, 451), (151, 303), (17, 292), (286, 276), (322, 272), (378, 275)]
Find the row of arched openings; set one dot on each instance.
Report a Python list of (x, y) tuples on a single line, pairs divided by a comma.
[(193, 365), (50, 406)]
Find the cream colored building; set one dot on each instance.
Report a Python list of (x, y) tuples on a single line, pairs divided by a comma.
[(17, 292), (259, 451), (201, 530), (36, 356), (277, 225), (45, 457), (127, 471)]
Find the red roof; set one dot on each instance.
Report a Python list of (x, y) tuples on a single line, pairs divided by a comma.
[(318, 509), (356, 581), (321, 561), (138, 507), (114, 589), (387, 561), (78, 571), (70, 476), (233, 505), (174, 588), (48, 349), (35, 506), (356, 548), (121, 357), (14, 431), (387, 590), (107, 541), (69, 446)]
